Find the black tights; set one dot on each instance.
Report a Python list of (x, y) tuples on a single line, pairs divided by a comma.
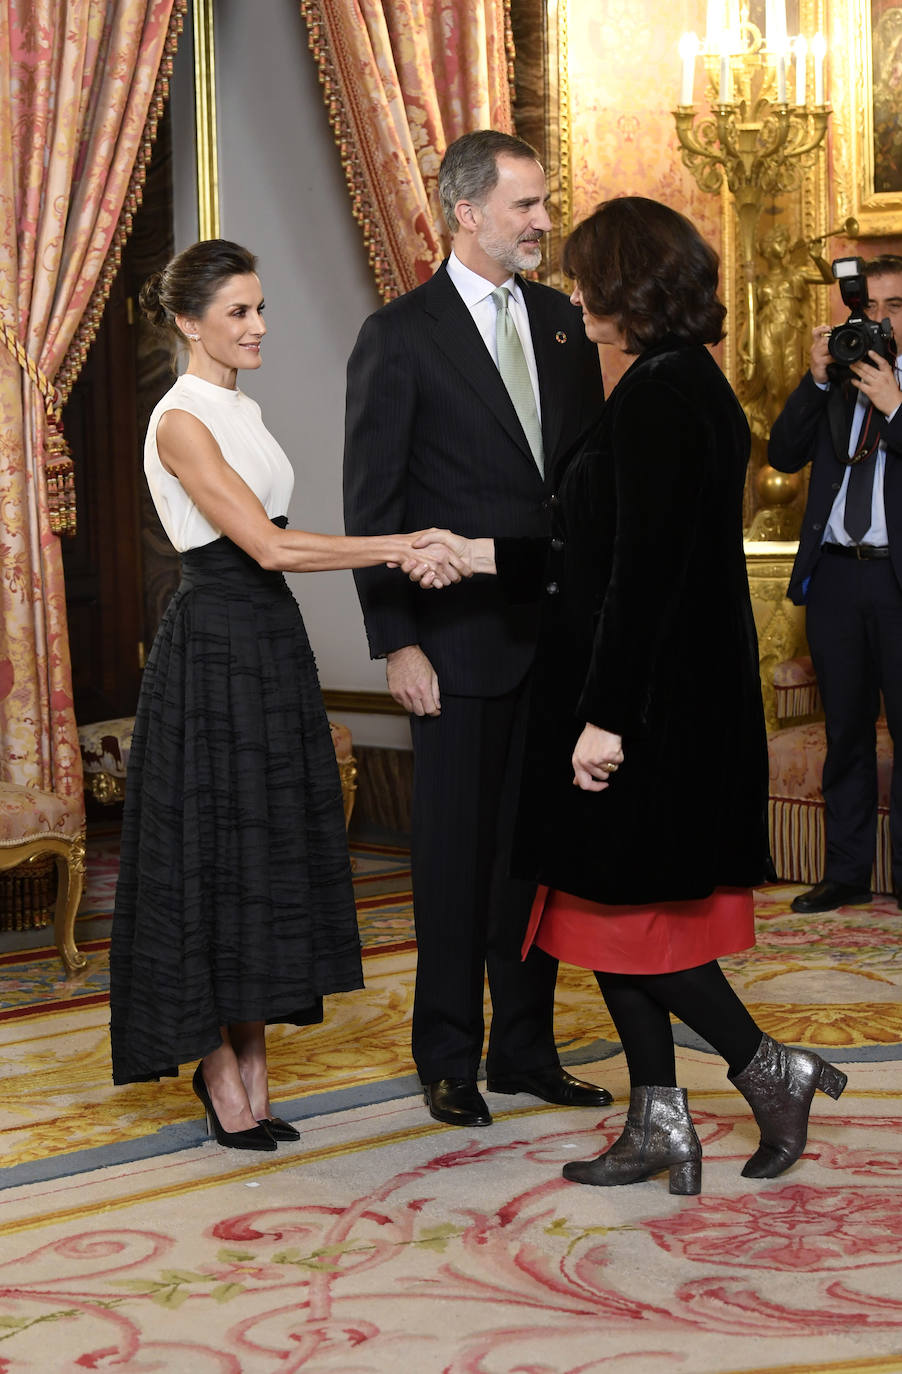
[(640, 1005)]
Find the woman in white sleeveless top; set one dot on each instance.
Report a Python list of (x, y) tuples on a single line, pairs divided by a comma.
[(234, 905)]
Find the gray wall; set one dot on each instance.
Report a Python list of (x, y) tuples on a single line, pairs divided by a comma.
[(283, 193)]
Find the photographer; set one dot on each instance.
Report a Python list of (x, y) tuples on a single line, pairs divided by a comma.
[(845, 419)]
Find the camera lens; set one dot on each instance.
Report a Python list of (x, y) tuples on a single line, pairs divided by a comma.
[(848, 343)]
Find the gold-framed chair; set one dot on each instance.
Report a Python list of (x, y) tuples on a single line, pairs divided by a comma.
[(34, 823), (347, 766), (105, 747)]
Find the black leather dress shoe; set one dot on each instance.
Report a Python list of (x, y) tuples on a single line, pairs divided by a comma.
[(552, 1085), (456, 1102), (827, 896)]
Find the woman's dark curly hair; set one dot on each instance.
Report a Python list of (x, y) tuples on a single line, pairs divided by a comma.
[(648, 268)]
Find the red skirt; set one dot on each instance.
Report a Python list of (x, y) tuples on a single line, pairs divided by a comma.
[(658, 937)]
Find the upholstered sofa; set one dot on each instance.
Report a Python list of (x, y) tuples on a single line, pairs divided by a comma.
[(796, 750)]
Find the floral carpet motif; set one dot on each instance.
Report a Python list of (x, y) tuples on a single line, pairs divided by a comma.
[(383, 1241)]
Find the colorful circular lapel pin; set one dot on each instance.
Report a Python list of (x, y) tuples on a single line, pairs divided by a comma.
[(560, 336)]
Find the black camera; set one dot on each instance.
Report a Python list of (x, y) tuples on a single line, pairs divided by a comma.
[(851, 342)]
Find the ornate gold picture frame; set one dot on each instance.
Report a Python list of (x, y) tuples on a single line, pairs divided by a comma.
[(866, 93)]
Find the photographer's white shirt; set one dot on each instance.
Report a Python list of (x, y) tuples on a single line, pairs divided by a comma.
[(835, 530)]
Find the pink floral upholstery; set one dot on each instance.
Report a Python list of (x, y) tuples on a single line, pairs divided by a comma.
[(795, 688), (27, 813), (795, 671), (797, 807), (84, 89)]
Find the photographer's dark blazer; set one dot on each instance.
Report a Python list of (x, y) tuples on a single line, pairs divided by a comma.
[(432, 438), (802, 434)]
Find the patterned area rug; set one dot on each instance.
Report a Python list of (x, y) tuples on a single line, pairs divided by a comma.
[(383, 1241)]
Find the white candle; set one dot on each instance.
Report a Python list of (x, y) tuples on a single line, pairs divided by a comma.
[(818, 49), (715, 25), (726, 80), (688, 51), (780, 24), (775, 25), (733, 21), (801, 48), (781, 77)]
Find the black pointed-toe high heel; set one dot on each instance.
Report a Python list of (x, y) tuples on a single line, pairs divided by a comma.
[(279, 1129), (257, 1138)]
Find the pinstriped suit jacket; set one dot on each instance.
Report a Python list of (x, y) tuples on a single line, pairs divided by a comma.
[(432, 438)]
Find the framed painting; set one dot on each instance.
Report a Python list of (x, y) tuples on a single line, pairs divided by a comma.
[(866, 93), (886, 102)]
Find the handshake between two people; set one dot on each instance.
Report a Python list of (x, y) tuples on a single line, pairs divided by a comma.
[(437, 558)]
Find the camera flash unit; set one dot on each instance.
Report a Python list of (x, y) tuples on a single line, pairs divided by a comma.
[(847, 267)]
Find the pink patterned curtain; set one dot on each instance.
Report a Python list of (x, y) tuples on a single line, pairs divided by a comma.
[(401, 80), (82, 84)]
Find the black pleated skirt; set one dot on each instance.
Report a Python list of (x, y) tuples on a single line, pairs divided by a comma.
[(234, 900)]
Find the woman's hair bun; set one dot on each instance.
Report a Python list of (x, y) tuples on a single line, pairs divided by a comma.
[(188, 283), (150, 302)]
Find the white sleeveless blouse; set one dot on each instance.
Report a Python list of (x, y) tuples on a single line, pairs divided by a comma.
[(236, 423)]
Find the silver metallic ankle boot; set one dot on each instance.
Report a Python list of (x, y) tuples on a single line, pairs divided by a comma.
[(779, 1085), (658, 1134)]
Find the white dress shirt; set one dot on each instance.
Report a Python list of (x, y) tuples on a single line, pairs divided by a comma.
[(476, 294), (835, 531)]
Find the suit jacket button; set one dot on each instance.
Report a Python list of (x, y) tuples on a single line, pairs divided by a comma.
[(552, 501), (817, 527), (557, 545), (552, 589), (836, 486)]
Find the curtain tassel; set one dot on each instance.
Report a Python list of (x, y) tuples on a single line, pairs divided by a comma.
[(59, 469)]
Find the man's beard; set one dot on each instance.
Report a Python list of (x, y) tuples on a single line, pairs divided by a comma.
[(515, 257)]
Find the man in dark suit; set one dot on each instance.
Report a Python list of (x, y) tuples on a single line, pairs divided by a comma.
[(462, 395), (848, 573)]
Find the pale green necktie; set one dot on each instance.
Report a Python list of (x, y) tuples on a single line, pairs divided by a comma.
[(514, 371)]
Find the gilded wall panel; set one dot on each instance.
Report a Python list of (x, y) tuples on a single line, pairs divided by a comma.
[(617, 69), (623, 74), (619, 77)]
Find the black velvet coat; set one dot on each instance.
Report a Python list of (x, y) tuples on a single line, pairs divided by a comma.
[(647, 631)]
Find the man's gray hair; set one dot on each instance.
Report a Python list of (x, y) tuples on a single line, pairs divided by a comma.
[(469, 168)]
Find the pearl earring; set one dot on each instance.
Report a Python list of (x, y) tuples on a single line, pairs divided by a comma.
[(195, 337)]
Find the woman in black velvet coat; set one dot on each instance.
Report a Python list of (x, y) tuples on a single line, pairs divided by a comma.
[(643, 809)]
